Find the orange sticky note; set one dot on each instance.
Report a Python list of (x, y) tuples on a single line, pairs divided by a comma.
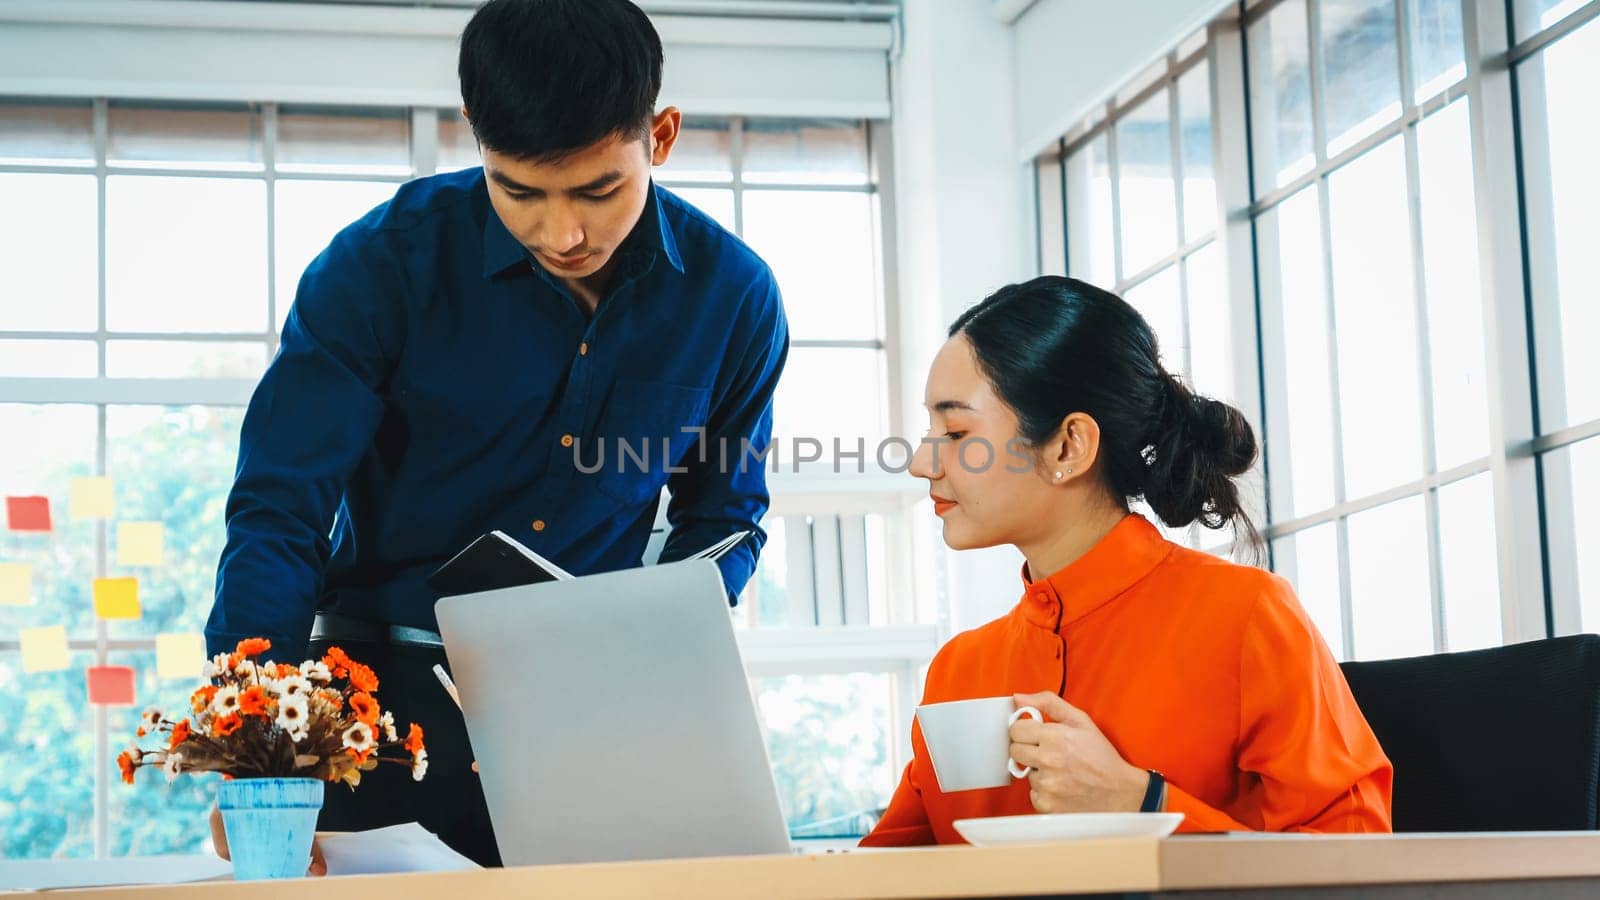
[(28, 513), (110, 685), (116, 598), (45, 649), (16, 584), (180, 655), (139, 543), (91, 498)]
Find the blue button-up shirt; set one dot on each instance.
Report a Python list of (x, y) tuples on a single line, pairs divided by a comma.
[(434, 382)]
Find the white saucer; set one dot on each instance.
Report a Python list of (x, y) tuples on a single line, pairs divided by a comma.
[(999, 831)]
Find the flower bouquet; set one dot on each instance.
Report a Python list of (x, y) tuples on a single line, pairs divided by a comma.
[(277, 733)]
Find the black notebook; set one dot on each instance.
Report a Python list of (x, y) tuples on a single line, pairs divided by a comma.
[(497, 560)]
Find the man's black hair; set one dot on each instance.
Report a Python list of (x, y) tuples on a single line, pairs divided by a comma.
[(541, 79)]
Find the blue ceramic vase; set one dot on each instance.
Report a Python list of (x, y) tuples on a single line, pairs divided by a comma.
[(270, 823)]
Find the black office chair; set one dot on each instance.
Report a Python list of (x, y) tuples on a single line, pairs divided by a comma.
[(1505, 739)]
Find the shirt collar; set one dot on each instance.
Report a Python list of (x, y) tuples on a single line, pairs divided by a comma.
[(1119, 561), (651, 237)]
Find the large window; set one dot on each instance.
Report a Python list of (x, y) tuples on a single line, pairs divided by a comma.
[(1396, 424), (148, 256)]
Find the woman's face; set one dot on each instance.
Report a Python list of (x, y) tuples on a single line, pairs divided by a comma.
[(986, 483)]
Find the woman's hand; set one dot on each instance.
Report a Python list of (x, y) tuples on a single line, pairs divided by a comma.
[(1075, 768), (219, 839)]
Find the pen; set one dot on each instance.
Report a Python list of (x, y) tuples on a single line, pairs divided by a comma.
[(449, 686)]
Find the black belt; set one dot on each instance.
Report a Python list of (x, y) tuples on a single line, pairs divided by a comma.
[(334, 627)]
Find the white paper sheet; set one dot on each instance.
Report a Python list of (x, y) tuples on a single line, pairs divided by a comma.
[(398, 848), (49, 874)]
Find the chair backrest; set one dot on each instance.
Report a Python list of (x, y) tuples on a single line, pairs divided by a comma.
[(1505, 739)]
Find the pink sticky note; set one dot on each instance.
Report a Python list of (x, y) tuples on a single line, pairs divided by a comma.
[(110, 685), (28, 513)]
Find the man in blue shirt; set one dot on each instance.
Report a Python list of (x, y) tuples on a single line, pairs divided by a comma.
[(450, 355)]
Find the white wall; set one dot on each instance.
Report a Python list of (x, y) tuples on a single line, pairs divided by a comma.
[(964, 221), (1072, 54)]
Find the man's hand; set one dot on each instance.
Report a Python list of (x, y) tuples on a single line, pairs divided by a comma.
[(219, 838), (1075, 768)]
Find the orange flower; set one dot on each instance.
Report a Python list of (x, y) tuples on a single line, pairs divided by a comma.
[(139, 732), (364, 707), (200, 699), (253, 702), (362, 677), (125, 763), (414, 739), (227, 725), (180, 733), (360, 756), (337, 662), (253, 646)]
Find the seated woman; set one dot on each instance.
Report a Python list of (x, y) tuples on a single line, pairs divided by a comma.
[(1144, 656)]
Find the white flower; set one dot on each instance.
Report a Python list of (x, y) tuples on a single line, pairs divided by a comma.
[(150, 718), (293, 686), (419, 765), (226, 702), (294, 717), (387, 721), (358, 737), (173, 766), (245, 669), (316, 670)]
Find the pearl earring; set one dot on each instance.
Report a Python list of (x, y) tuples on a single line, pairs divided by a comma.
[(1058, 474)]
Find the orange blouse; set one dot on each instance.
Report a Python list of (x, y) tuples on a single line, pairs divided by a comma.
[(1205, 671)]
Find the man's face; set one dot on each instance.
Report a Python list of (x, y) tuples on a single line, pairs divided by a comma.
[(573, 214)]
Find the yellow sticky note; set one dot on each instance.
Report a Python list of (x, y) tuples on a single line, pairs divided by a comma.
[(180, 655), (45, 649), (116, 598), (139, 543), (16, 584), (91, 498)]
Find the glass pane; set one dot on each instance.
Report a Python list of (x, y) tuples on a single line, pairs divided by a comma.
[(1389, 599), (805, 152), (829, 740), (185, 254), (172, 816), (1453, 284), (1361, 66), (47, 786), (49, 133), (1310, 560), (57, 444), (1561, 147), (1052, 215), (1468, 564), (1211, 356), (1148, 200), (1438, 48), (458, 148), (48, 359), (1299, 387), (1571, 482), (308, 215), (829, 394), (49, 252), (714, 202), (1090, 251), (173, 465), (765, 601), (703, 153), (1159, 301), (820, 246), (1533, 16), (1199, 181), (1374, 305), (158, 137), (185, 359), (1280, 95), (310, 141)]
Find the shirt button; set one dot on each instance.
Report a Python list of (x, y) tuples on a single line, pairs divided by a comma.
[(566, 440), (583, 349), (538, 524)]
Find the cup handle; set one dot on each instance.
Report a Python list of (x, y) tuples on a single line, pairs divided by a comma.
[(1011, 764)]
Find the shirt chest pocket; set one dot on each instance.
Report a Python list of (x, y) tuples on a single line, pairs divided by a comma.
[(646, 427)]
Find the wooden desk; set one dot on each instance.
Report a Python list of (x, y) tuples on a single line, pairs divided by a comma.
[(1549, 864)]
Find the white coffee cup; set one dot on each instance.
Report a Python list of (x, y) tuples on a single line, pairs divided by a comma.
[(969, 742)]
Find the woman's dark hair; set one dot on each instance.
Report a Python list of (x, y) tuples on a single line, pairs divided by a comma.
[(1054, 346), (543, 78)]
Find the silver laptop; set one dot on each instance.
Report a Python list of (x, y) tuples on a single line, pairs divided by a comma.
[(612, 719)]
